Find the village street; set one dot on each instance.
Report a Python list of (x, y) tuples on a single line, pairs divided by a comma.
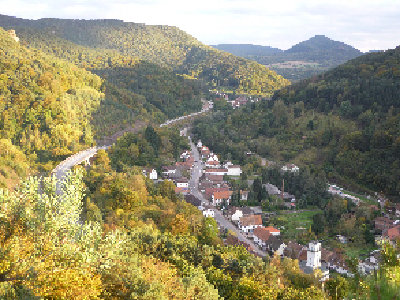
[(219, 217)]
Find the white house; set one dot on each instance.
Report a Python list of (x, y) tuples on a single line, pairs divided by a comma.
[(216, 171), (290, 167), (237, 215), (169, 170), (261, 236), (182, 183), (219, 197), (273, 231), (234, 170), (248, 223), (151, 173), (208, 212)]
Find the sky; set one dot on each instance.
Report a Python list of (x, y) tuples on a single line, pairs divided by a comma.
[(364, 24)]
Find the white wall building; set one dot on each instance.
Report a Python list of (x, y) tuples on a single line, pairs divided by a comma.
[(314, 255), (234, 170), (208, 213)]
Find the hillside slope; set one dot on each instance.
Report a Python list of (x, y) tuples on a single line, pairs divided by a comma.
[(344, 124), (45, 103), (165, 46)]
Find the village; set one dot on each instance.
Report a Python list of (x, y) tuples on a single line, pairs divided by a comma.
[(203, 180)]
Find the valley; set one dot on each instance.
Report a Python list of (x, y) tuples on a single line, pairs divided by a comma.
[(140, 163)]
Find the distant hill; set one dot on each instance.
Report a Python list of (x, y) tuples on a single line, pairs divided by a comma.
[(303, 60), (166, 46), (246, 50)]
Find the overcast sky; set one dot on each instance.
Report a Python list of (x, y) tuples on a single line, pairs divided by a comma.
[(364, 24)]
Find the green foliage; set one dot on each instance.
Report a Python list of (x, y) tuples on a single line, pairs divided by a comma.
[(165, 46), (45, 103), (151, 147)]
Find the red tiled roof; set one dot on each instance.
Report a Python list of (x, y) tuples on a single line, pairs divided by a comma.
[(393, 233), (251, 220), (272, 229), (262, 233), (222, 195)]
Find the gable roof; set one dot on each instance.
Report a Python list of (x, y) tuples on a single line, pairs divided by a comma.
[(272, 229), (262, 233), (251, 220), (393, 233), (222, 195)]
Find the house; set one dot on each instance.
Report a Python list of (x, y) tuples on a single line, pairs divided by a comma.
[(185, 155), (383, 223), (392, 234), (235, 213), (294, 250), (150, 173), (220, 197), (193, 200), (370, 264), (234, 170), (271, 189), (248, 223), (209, 191), (199, 144), (205, 152), (168, 170), (182, 183), (181, 190), (215, 178), (290, 168), (273, 231), (261, 236), (208, 212), (244, 195), (212, 164), (275, 245), (397, 212), (216, 171)]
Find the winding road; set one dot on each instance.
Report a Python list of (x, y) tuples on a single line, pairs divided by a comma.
[(61, 170)]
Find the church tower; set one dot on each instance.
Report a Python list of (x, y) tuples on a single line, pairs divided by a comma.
[(314, 255)]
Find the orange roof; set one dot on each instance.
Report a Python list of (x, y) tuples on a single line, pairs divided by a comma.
[(251, 220), (393, 233), (222, 195), (262, 233), (272, 229)]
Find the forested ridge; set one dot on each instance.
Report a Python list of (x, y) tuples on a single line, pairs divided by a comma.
[(166, 46), (344, 123), (45, 104)]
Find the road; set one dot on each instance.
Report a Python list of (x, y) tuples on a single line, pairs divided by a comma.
[(218, 216), (61, 170)]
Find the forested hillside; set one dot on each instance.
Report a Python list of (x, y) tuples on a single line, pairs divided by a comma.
[(344, 123), (303, 60), (165, 46), (45, 105)]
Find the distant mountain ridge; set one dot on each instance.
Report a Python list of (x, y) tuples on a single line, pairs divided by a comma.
[(305, 59)]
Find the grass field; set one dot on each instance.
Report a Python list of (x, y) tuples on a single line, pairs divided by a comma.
[(292, 223)]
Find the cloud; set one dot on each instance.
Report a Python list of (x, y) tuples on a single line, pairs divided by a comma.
[(365, 24)]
